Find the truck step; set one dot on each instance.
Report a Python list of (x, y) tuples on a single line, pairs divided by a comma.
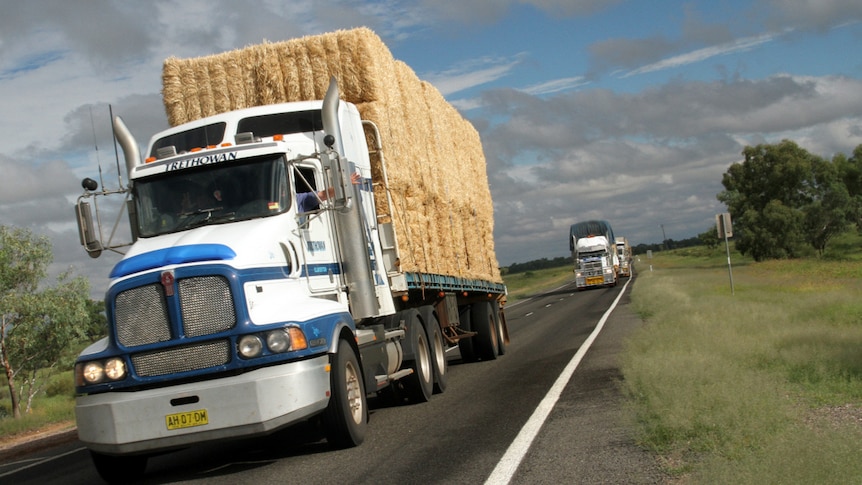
[(382, 380)]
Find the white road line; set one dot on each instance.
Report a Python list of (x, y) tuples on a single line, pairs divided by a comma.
[(508, 465), (532, 297), (39, 462)]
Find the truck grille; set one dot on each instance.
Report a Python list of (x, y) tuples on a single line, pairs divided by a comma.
[(593, 268), (182, 359), (206, 306), (142, 316)]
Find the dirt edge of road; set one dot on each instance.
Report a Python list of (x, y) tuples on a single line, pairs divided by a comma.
[(20, 444)]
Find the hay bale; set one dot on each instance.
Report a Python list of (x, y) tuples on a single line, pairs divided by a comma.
[(219, 85), (441, 204), (172, 91)]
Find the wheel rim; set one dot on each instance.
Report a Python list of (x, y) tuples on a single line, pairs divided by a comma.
[(424, 360), (439, 353), (354, 395), (492, 325)]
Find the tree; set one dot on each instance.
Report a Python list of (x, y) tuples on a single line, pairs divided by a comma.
[(36, 324), (772, 233), (97, 323), (850, 172), (709, 238), (831, 209), (776, 195)]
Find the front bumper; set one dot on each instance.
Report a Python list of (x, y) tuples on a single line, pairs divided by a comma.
[(253, 403)]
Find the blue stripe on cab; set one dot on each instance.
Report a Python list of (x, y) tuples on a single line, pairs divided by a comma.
[(174, 255)]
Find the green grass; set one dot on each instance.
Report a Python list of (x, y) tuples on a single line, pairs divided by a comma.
[(523, 285), (53, 405), (759, 385)]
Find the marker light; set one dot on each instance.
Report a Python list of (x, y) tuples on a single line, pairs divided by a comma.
[(297, 339)]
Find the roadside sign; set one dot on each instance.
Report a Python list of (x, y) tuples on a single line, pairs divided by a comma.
[(723, 225), (725, 230)]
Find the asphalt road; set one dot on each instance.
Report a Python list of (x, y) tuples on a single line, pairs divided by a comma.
[(485, 428)]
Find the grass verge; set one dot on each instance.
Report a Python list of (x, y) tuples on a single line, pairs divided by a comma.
[(762, 384), (56, 404), (524, 285)]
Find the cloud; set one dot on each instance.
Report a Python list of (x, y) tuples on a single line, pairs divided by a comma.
[(489, 11), (699, 55), (472, 73), (556, 85), (647, 158), (110, 33), (701, 40), (30, 63), (816, 15)]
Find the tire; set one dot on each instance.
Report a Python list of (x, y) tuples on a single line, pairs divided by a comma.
[(485, 326), (418, 386), (119, 469), (465, 345), (501, 331), (438, 348), (346, 417)]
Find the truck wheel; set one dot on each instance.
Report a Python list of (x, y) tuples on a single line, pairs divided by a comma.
[(346, 417), (119, 469), (420, 384), (485, 326), (465, 345), (438, 348), (501, 332)]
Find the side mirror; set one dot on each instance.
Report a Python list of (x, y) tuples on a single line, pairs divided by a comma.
[(86, 233)]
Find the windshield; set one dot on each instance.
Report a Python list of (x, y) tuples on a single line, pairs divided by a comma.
[(212, 194)]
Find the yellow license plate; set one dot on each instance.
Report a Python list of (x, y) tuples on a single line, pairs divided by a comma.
[(595, 280), (188, 419)]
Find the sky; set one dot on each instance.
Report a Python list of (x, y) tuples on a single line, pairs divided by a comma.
[(628, 111)]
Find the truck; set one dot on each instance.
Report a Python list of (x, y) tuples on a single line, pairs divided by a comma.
[(278, 271), (624, 254), (594, 253)]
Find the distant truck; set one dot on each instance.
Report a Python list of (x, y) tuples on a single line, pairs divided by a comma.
[(594, 253), (281, 269), (624, 254)]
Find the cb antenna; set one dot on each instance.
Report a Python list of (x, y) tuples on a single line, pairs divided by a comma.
[(96, 145)]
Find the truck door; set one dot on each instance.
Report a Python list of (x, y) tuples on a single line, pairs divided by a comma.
[(320, 265)]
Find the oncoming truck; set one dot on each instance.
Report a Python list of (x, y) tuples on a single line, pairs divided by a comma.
[(282, 268), (594, 253), (624, 254)]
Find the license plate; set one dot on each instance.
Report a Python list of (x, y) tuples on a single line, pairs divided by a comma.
[(187, 419), (595, 280)]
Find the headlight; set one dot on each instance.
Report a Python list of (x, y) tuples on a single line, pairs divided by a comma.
[(250, 346), (93, 372), (278, 341), (115, 369), (97, 371)]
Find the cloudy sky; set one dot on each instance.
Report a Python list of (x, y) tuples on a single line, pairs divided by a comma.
[(628, 111)]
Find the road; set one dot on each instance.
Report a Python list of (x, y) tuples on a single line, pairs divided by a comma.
[(511, 420)]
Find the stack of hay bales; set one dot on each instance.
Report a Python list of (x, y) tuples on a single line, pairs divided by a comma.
[(442, 210)]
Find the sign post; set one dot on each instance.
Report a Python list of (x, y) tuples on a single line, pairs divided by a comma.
[(724, 228)]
